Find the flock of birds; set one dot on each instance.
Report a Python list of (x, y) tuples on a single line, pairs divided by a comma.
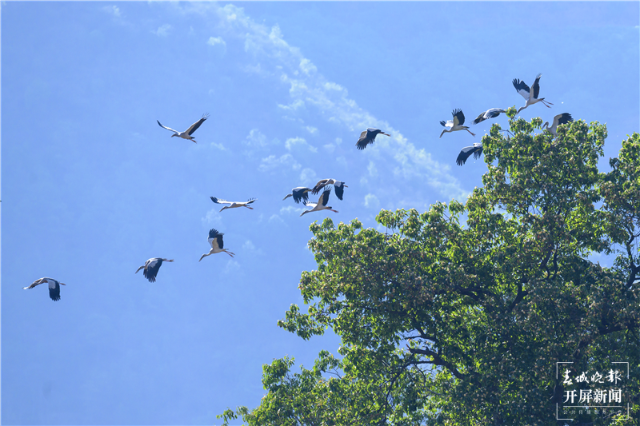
[(301, 194)]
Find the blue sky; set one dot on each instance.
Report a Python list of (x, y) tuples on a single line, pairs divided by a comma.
[(92, 186)]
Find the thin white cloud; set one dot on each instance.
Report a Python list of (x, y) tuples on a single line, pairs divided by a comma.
[(312, 130), (218, 146), (276, 219), (255, 139), (213, 41), (329, 148), (373, 170), (212, 218), (113, 10), (251, 248), (295, 105), (371, 201), (307, 67), (163, 30), (308, 175), (232, 267), (284, 162), (297, 142), (291, 210), (309, 88)]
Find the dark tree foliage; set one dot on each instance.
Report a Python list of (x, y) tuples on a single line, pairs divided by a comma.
[(458, 315)]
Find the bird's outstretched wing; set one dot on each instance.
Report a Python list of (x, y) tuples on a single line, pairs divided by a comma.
[(536, 87), (479, 119), (220, 201), (466, 152), (563, 118), (251, 200), (54, 290), (490, 113), (321, 184), (35, 283), (522, 88), (168, 128), (300, 194), (447, 123), (363, 141), (339, 189), (197, 124), (215, 238), (458, 117), (324, 198)]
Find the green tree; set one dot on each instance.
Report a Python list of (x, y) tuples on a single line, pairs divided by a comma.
[(459, 314)]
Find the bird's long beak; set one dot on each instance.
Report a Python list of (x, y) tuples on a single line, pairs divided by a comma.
[(386, 134), (62, 284)]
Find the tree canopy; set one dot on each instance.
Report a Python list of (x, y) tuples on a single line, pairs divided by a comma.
[(458, 315)]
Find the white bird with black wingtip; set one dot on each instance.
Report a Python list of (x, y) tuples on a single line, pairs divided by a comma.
[(368, 137), (151, 267), (559, 119), (467, 151), (187, 133), (321, 204), (490, 113), (54, 287), (455, 124), (217, 245), (299, 194), (338, 186), (233, 204), (530, 94)]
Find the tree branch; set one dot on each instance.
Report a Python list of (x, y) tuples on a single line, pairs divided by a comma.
[(437, 360)]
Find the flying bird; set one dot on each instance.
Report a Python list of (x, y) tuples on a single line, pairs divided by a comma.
[(217, 245), (321, 204), (187, 133), (338, 186), (466, 152), (299, 194), (54, 287), (559, 119), (151, 267), (490, 113), (530, 95), (368, 137), (456, 124), (233, 204)]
